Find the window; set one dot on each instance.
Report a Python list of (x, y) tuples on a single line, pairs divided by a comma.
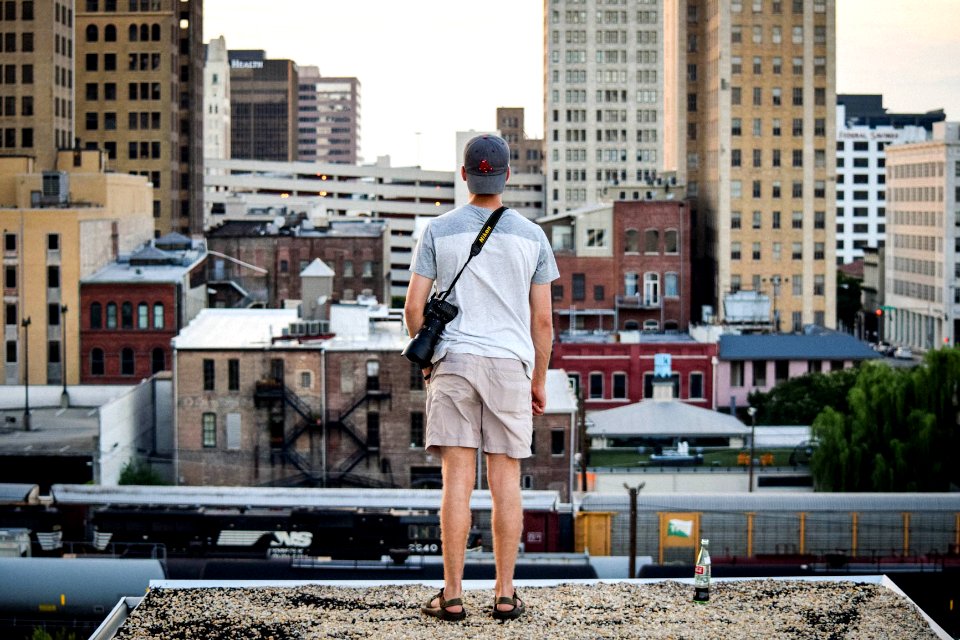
[(416, 377), (158, 360), (127, 364), (735, 220), (670, 241), (233, 374), (10, 242), (775, 222), (696, 386), (158, 315), (557, 442), (53, 277), (670, 285), (143, 315), (651, 289), (111, 315), (598, 293), (579, 286), (417, 439), (126, 315), (11, 314), (735, 250), (373, 431), (96, 362), (209, 430), (619, 386), (759, 373), (757, 219), (596, 238), (53, 314), (11, 351), (209, 378), (736, 373), (651, 241), (596, 385)]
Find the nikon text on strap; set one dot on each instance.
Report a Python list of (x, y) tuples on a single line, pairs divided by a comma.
[(477, 246)]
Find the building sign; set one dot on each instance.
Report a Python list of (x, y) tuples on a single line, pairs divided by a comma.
[(871, 134), (246, 64), (679, 530), (661, 365)]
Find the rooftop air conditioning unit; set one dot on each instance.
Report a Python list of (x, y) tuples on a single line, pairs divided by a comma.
[(56, 188)]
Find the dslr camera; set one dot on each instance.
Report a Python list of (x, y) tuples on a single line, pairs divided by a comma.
[(436, 315)]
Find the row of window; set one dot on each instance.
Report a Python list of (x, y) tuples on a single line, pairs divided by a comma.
[(127, 361), (618, 385), (10, 277), (127, 318), (133, 5), (26, 12), (819, 220), (135, 33), (736, 189), (781, 371)]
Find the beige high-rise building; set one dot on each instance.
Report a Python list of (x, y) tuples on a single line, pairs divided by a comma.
[(58, 227), (36, 79), (329, 118), (603, 97), (139, 97), (922, 292), (750, 121)]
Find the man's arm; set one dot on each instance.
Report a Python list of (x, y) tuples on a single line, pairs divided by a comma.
[(417, 292), (541, 330)]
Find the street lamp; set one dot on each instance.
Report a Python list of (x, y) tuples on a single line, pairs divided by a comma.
[(25, 323), (64, 396), (753, 429)]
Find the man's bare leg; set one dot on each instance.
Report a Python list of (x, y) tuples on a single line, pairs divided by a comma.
[(503, 476), (459, 470)]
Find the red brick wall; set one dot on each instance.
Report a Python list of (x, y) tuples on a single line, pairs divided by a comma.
[(114, 341), (635, 360)]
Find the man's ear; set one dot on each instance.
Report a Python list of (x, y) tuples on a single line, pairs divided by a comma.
[(508, 174), (463, 173)]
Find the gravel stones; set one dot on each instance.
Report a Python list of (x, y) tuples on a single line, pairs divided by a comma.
[(751, 609)]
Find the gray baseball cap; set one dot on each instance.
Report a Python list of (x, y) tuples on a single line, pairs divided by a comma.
[(486, 159)]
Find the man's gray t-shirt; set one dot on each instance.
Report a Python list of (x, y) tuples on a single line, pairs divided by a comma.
[(493, 294)]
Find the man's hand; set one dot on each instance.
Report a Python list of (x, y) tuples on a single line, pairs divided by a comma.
[(539, 394), (426, 371)]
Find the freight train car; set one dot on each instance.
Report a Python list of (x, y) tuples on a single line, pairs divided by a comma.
[(788, 527)]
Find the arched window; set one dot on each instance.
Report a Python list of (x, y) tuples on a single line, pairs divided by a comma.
[(132, 33), (96, 316), (96, 362), (111, 315), (670, 241), (126, 315), (651, 241), (631, 242), (651, 289), (631, 325), (671, 326), (155, 33), (144, 33), (143, 316), (158, 360), (110, 33), (158, 315), (126, 361), (93, 34)]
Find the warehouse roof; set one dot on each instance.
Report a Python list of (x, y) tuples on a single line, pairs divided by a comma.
[(663, 418)]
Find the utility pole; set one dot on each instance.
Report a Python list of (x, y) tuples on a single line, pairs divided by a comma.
[(753, 429), (25, 323), (633, 525), (64, 396), (582, 429)]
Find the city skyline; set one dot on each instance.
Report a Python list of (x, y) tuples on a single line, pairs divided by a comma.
[(880, 49)]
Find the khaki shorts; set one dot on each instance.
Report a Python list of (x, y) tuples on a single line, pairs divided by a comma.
[(473, 401)]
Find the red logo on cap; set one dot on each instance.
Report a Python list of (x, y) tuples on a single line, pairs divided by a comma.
[(484, 167)]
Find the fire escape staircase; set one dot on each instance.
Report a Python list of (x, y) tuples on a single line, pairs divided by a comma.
[(273, 391)]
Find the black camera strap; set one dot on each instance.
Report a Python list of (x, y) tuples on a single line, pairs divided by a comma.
[(477, 246)]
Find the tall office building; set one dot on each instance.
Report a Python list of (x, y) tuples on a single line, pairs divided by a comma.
[(864, 130), (923, 245), (216, 101), (329, 118), (603, 97), (526, 154), (750, 120), (36, 79), (263, 107), (139, 97)]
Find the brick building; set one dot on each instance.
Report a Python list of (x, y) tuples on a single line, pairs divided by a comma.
[(616, 373), (132, 308), (256, 405), (259, 263), (625, 266)]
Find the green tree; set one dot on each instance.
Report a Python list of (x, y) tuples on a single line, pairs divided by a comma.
[(798, 401), (135, 472), (899, 433)]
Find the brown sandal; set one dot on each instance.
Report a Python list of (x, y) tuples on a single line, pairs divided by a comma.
[(441, 611), (510, 614)]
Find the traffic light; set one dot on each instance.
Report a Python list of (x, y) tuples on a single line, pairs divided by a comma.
[(879, 312)]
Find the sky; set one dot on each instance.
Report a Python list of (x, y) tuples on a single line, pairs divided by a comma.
[(430, 68)]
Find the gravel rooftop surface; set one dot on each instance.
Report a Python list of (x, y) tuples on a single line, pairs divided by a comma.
[(758, 609)]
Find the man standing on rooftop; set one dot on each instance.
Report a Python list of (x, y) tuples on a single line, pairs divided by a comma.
[(488, 374)]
